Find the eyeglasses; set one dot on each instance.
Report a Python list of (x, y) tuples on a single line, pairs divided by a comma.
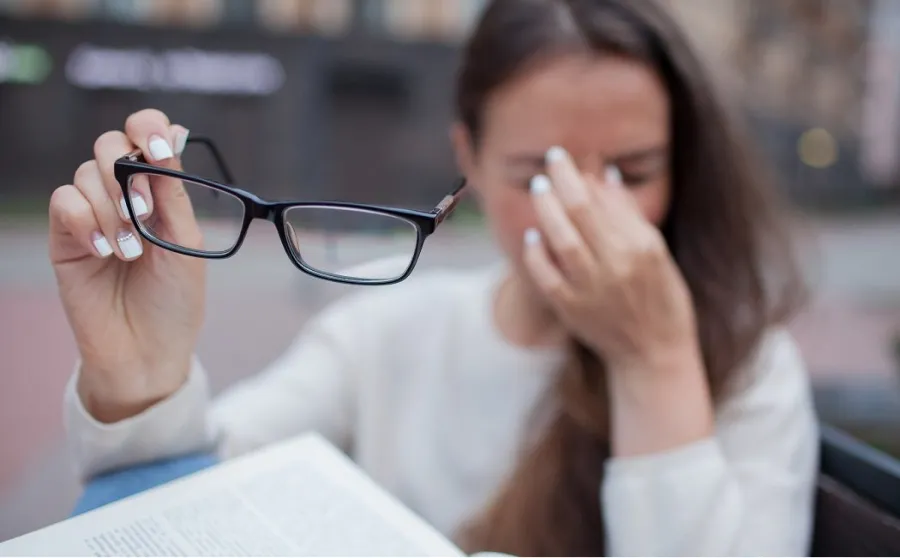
[(336, 241)]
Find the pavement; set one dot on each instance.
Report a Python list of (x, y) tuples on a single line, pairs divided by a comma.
[(258, 300)]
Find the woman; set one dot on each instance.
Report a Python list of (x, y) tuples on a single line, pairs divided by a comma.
[(622, 384)]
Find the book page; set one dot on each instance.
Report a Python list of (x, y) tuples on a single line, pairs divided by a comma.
[(299, 498)]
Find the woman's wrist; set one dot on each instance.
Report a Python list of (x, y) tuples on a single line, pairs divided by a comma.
[(651, 357), (659, 401), (113, 397)]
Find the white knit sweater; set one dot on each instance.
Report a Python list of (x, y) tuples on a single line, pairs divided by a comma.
[(416, 384)]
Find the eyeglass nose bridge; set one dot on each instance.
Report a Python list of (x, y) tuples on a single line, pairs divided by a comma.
[(261, 209)]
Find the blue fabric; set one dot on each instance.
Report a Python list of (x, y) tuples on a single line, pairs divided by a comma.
[(122, 483)]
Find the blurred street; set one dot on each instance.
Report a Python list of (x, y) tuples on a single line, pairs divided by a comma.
[(845, 335), (352, 100)]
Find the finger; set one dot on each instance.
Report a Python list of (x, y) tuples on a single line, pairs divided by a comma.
[(168, 188), (573, 191), (108, 148), (176, 222), (150, 131), (613, 177), (71, 215), (614, 202), (139, 188), (624, 223), (562, 238), (141, 198), (179, 135), (546, 276), (612, 187), (120, 236), (150, 194), (566, 178)]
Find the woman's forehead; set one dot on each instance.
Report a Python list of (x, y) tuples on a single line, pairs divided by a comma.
[(591, 104)]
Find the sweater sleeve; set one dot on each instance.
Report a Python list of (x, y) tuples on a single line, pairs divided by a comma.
[(309, 387), (748, 491)]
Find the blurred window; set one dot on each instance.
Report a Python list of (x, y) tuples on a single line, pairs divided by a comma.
[(128, 11), (442, 20), (405, 19), (65, 9), (279, 15), (200, 13), (431, 19), (328, 17), (331, 17), (192, 13), (239, 12)]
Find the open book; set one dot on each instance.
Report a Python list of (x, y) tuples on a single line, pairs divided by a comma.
[(300, 497)]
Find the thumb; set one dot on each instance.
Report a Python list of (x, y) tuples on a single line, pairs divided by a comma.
[(179, 135)]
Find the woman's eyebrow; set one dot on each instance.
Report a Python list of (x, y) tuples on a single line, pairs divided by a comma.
[(526, 160), (641, 154), (537, 160)]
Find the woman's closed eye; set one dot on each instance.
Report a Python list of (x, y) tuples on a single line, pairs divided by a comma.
[(636, 179), (631, 179), (637, 168), (642, 167)]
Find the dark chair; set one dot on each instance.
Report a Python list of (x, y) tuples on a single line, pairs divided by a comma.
[(858, 499)]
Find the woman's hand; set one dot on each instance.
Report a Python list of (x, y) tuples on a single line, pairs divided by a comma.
[(606, 269), (614, 285), (135, 309)]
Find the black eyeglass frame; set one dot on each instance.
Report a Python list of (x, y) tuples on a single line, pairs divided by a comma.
[(424, 222)]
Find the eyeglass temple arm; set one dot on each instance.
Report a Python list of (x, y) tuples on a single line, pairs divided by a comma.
[(220, 161), (449, 203), (138, 155)]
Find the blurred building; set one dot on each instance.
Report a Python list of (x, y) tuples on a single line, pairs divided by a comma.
[(403, 19), (806, 58), (819, 79), (796, 59)]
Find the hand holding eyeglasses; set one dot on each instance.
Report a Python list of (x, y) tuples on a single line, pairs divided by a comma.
[(136, 313), (130, 235)]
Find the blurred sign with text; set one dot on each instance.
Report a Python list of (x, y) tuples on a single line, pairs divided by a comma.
[(188, 70)]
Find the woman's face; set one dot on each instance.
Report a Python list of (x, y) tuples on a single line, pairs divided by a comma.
[(604, 111)]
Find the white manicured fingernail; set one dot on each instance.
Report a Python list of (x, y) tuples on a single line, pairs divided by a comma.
[(613, 176), (532, 236), (101, 245), (555, 153), (159, 149), (540, 184), (129, 245), (181, 141), (138, 203)]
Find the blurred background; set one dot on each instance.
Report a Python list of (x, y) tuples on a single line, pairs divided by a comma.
[(351, 100)]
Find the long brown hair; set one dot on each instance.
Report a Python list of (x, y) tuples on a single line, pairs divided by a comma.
[(722, 229)]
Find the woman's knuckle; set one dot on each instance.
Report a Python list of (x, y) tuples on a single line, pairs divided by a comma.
[(652, 247), (556, 289), (624, 269), (65, 206), (80, 213), (146, 116), (569, 250), (106, 139), (57, 198), (579, 209), (85, 172)]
